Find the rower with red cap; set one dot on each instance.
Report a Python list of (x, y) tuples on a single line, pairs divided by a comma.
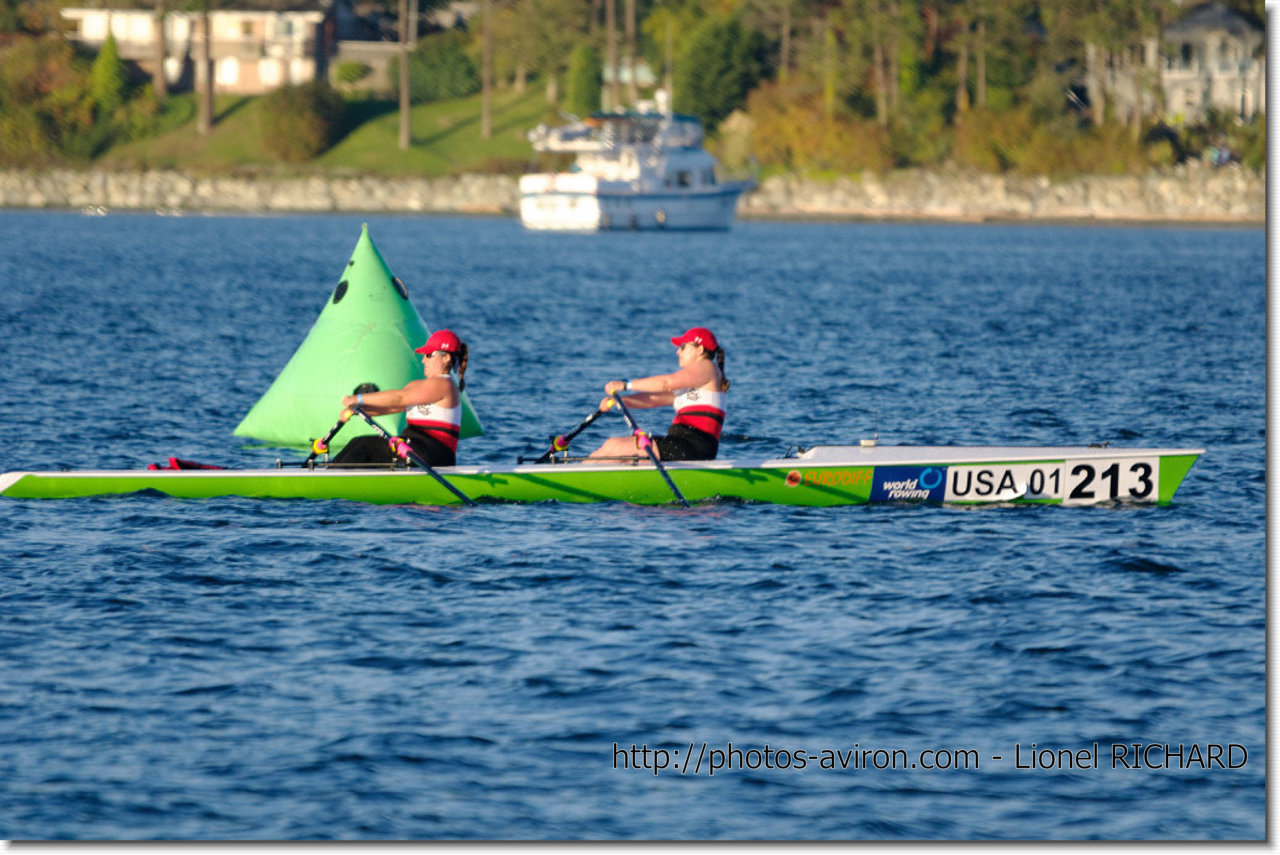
[(432, 408), (696, 391)]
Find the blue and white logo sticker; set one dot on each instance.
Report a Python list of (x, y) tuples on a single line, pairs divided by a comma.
[(909, 484)]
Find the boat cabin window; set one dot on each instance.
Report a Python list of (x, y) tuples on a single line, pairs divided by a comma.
[(709, 177), (684, 178)]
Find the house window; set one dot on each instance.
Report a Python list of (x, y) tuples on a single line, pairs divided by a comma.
[(1226, 56), (140, 29), (228, 72), (1188, 56), (269, 73), (94, 28), (246, 29)]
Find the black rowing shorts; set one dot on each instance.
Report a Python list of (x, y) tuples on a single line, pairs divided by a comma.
[(374, 450), (686, 443)]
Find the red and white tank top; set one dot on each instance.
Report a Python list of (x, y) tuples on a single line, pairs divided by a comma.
[(442, 423), (702, 409)]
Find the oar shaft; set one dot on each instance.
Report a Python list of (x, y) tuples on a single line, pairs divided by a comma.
[(647, 445), (403, 449), (561, 443), (320, 446)]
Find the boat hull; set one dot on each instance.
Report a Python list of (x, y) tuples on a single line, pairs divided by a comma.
[(568, 211), (826, 476)]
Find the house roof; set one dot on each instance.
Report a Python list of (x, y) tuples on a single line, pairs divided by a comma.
[(215, 5), (1213, 17)]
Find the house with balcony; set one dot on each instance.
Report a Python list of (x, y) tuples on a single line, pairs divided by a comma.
[(1210, 57), (256, 45), (1214, 57)]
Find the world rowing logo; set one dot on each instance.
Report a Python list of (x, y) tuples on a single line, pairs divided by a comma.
[(909, 484)]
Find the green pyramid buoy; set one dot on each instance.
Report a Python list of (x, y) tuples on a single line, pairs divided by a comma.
[(366, 333)]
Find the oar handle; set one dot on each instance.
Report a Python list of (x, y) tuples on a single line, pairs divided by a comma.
[(403, 449), (320, 446), (561, 443), (646, 442)]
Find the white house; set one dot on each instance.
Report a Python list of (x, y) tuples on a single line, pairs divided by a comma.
[(1214, 57), (1210, 57), (257, 45)]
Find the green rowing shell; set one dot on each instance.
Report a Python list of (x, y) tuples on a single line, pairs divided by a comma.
[(1074, 476)]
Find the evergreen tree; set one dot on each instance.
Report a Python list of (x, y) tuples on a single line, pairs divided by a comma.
[(107, 79), (439, 68), (586, 79), (720, 64)]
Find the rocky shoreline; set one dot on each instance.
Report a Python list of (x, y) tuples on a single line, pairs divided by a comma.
[(1193, 192)]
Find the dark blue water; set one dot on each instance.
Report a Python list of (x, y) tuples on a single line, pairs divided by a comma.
[(296, 670)]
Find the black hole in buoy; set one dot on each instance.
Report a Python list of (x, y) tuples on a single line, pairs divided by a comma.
[(400, 289), (340, 292)]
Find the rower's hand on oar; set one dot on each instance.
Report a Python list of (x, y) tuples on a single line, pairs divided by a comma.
[(606, 404), (615, 386)]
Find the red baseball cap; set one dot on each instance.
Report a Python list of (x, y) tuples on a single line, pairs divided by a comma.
[(697, 335), (441, 340)]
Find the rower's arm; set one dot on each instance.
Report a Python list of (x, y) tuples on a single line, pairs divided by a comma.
[(390, 401), (645, 400)]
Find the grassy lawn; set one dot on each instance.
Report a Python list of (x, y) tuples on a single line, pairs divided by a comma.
[(445, 139)]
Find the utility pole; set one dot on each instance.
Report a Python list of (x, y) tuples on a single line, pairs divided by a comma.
[(204, 73), (159, 81), (611, 49), (486, 73), (633, 94), (405, 27)]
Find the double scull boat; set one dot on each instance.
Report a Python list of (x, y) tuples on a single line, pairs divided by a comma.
[(817, 476)]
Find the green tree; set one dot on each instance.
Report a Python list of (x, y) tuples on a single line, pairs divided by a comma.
[(585, 81), (719, 66), (10, 20), (667, 29), (538, 37), (439, 68), (301, 120), (107, 83)]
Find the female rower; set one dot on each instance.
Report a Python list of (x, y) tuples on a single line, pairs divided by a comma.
[(696, 391), (432, 408)]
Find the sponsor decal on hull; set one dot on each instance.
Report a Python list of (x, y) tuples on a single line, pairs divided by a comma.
[(909, 484), (860, 477)]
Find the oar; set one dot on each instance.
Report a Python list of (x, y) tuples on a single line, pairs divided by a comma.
[(643, 440), (320, 446), (400, 447), (561, 443)]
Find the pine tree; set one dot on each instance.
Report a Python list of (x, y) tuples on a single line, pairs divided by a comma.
[(107, 79), (586, 77), (721, 63)]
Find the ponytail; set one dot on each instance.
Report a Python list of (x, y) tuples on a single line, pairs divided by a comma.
[(460, 360), (724, 381)]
